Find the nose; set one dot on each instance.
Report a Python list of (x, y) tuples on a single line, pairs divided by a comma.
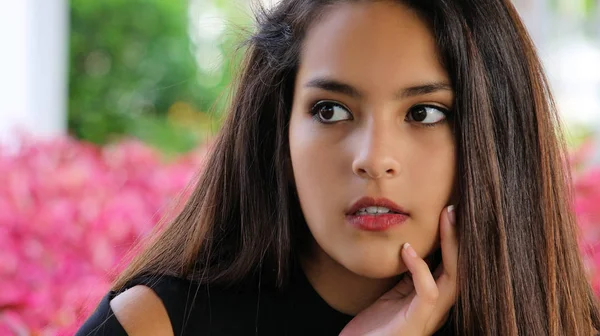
[(377, 153)]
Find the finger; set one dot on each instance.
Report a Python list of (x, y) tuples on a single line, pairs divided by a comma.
[(427, 293), (449, 241), (446, 281)]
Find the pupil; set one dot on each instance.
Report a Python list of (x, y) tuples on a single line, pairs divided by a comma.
[(419, 114), (327, 111)]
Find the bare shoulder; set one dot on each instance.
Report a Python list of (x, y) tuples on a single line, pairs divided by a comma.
[(141, 312)]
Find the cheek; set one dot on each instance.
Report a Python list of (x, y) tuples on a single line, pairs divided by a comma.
[(432, 170), (314, 161), (320, 170)]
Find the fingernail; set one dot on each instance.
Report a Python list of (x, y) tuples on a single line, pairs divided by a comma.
[(411, 251), (451, 214)]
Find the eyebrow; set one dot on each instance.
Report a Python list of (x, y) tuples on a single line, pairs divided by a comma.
[(333, 85)]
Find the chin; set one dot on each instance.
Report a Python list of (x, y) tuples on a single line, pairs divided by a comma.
[(374, 266)]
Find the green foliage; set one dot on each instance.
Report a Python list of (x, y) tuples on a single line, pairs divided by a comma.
[(131, 61), (577, 134), (585, 8)]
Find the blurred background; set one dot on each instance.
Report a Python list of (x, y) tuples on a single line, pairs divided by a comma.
[(107, 109)]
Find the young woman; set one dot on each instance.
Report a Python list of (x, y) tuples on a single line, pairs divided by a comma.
[(386, 168)]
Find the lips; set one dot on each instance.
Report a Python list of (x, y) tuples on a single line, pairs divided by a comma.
[(366, 202), (376, 222)]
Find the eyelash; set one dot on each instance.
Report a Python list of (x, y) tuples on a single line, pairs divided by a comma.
[(446, 113), (315, 114)]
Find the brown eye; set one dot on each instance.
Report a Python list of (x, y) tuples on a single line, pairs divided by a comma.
[(329, 112), (427, 114)]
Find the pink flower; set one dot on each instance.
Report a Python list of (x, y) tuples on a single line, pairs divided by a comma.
[(587, 208), (69, 211)]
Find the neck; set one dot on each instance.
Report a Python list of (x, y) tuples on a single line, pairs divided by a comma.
[(343, 290)]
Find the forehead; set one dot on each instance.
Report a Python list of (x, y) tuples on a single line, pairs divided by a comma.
[(378, 43)]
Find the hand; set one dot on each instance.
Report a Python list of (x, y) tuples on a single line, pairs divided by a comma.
[(417, 305)]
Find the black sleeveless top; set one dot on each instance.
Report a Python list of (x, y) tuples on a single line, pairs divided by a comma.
[(216, 311), (250, 309)]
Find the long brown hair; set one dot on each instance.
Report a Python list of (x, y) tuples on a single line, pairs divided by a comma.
[(520, 271)]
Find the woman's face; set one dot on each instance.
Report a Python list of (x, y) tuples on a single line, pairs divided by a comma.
[(369, 120)]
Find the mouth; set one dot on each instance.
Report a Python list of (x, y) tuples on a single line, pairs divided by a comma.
[(370, 214), (372, 206)]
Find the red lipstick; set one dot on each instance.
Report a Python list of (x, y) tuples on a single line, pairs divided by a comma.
[(375, 221)]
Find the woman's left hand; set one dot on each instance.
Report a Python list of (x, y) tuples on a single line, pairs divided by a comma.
[(417, 305)]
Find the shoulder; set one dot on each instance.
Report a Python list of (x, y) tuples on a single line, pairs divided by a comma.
[(167, 305), (155, 302), (141, 312), (146, 305)]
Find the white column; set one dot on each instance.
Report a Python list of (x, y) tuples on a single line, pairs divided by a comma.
[(33, 68)]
